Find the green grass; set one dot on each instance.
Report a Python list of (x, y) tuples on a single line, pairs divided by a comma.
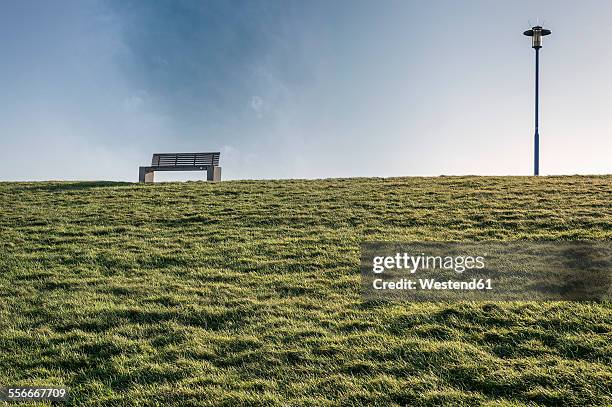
[(247, 293)]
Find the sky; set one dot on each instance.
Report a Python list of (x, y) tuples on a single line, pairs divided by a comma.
[(90, 89)]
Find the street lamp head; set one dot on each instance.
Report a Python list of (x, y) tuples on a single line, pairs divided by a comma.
[(536, 33)]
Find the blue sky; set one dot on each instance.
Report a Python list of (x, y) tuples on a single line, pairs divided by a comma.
[(302, 89)]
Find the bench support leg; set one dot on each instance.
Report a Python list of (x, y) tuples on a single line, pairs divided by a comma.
[(213, 174), (146, 175)]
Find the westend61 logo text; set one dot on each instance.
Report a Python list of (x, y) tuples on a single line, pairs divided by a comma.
[(481, 270), (412, 264)]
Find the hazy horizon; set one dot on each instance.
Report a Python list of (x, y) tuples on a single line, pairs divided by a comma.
[(291, 89)]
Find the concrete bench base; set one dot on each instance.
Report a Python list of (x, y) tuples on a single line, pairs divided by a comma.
[(147, 174), (213, 174)]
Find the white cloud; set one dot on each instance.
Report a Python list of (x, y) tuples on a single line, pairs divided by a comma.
[(132, 103), (259, 105)]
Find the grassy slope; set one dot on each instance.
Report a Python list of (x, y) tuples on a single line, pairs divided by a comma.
[(248, 292)]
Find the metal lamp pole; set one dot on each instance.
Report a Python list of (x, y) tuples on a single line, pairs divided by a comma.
[(536, 33)]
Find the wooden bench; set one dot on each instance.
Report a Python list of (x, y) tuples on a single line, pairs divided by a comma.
[(208, 162)]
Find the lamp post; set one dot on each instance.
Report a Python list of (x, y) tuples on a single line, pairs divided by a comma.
[(536, 33)]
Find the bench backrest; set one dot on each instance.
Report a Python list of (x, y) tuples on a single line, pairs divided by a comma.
[(185, 159)]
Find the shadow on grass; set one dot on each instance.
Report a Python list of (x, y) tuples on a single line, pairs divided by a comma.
[(73, 186)]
